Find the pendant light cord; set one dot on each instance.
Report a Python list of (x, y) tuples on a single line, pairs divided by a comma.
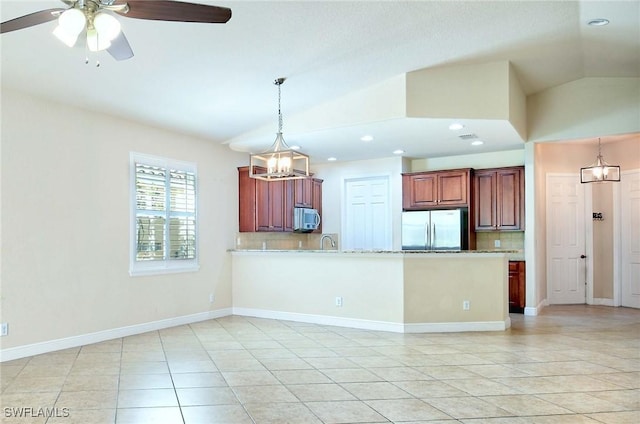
[(279, 82), (279, 111)]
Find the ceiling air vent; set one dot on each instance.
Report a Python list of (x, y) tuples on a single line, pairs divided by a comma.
[(468, 136)]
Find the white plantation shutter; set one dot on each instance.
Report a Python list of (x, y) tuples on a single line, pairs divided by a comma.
[(150, 212), (164, 224), (182, 215)]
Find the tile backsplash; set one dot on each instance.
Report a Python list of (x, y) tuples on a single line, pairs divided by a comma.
[(511, 240), (283, 241)]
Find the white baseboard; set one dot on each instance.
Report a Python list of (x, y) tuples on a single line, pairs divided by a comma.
[(362, 324), (533, 311), (100, 336), (601, 301), (321, 319), (457, 327)]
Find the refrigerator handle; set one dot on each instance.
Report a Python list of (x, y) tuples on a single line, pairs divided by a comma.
[(427, 235), (433, 241)]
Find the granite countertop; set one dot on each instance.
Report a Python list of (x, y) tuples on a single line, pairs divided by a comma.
[(513, 254)]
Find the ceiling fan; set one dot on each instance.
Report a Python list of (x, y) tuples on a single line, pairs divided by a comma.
[(95, 19)]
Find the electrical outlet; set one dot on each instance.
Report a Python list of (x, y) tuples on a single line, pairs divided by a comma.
[(4, 329), (466, 305), (212, 297), (496, 243), (338, 301)]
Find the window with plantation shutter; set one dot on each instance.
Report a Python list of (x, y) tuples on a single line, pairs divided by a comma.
[(163, 215)]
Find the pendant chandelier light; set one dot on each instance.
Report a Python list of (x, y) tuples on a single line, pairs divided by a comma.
[(599, 171), (280, 162)]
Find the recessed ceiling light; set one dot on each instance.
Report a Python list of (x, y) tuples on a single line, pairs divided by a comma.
[(477, 143), (598, 22), (332, 159), (398, 152), (456, 126), (366, 138), (295, 147)]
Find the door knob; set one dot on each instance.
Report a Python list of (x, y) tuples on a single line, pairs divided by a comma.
[(582, 256)]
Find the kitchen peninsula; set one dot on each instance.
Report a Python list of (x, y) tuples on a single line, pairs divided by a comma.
[(400, 291)]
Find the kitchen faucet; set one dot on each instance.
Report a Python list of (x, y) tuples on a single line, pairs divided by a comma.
[(324, 236)]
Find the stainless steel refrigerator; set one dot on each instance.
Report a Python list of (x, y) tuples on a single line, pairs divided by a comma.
[(435, 230)]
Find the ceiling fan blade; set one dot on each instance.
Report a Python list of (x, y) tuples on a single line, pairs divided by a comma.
[(29, 20), (164, 10), (120, 48)]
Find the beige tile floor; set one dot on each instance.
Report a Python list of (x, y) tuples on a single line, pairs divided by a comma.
[(570, 364)]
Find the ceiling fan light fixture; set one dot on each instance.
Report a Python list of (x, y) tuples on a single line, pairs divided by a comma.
[(64, 36), (73, 21), (106, 25), (70, 24)]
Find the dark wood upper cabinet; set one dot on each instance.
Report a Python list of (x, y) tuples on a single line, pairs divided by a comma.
[(262, 204), (288, 205), (316, 199), (439, 189), (303, 193), (484, 200), (498, 199), (247, 219), (268, 206)]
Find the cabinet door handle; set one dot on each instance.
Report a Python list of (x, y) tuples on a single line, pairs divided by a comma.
[(583, 256)]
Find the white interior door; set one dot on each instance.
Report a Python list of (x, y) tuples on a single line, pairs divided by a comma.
[(566, 263), (630, 239), (367, 218)]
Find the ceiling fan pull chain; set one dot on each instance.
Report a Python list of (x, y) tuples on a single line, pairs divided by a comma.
[(86, 62), (87, 53)]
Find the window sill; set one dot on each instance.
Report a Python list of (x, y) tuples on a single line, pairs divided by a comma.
[(162, 271)]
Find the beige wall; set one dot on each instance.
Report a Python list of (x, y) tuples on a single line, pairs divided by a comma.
[(436, 286), (65, 223), (308, 283), (603, 241), (475, 161), (583, 108), (436, 92)]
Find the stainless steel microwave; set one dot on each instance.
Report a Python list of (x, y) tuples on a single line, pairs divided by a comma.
[(305, 220)]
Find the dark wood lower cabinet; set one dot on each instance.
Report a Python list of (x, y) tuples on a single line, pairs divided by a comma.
[(517, 286)]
